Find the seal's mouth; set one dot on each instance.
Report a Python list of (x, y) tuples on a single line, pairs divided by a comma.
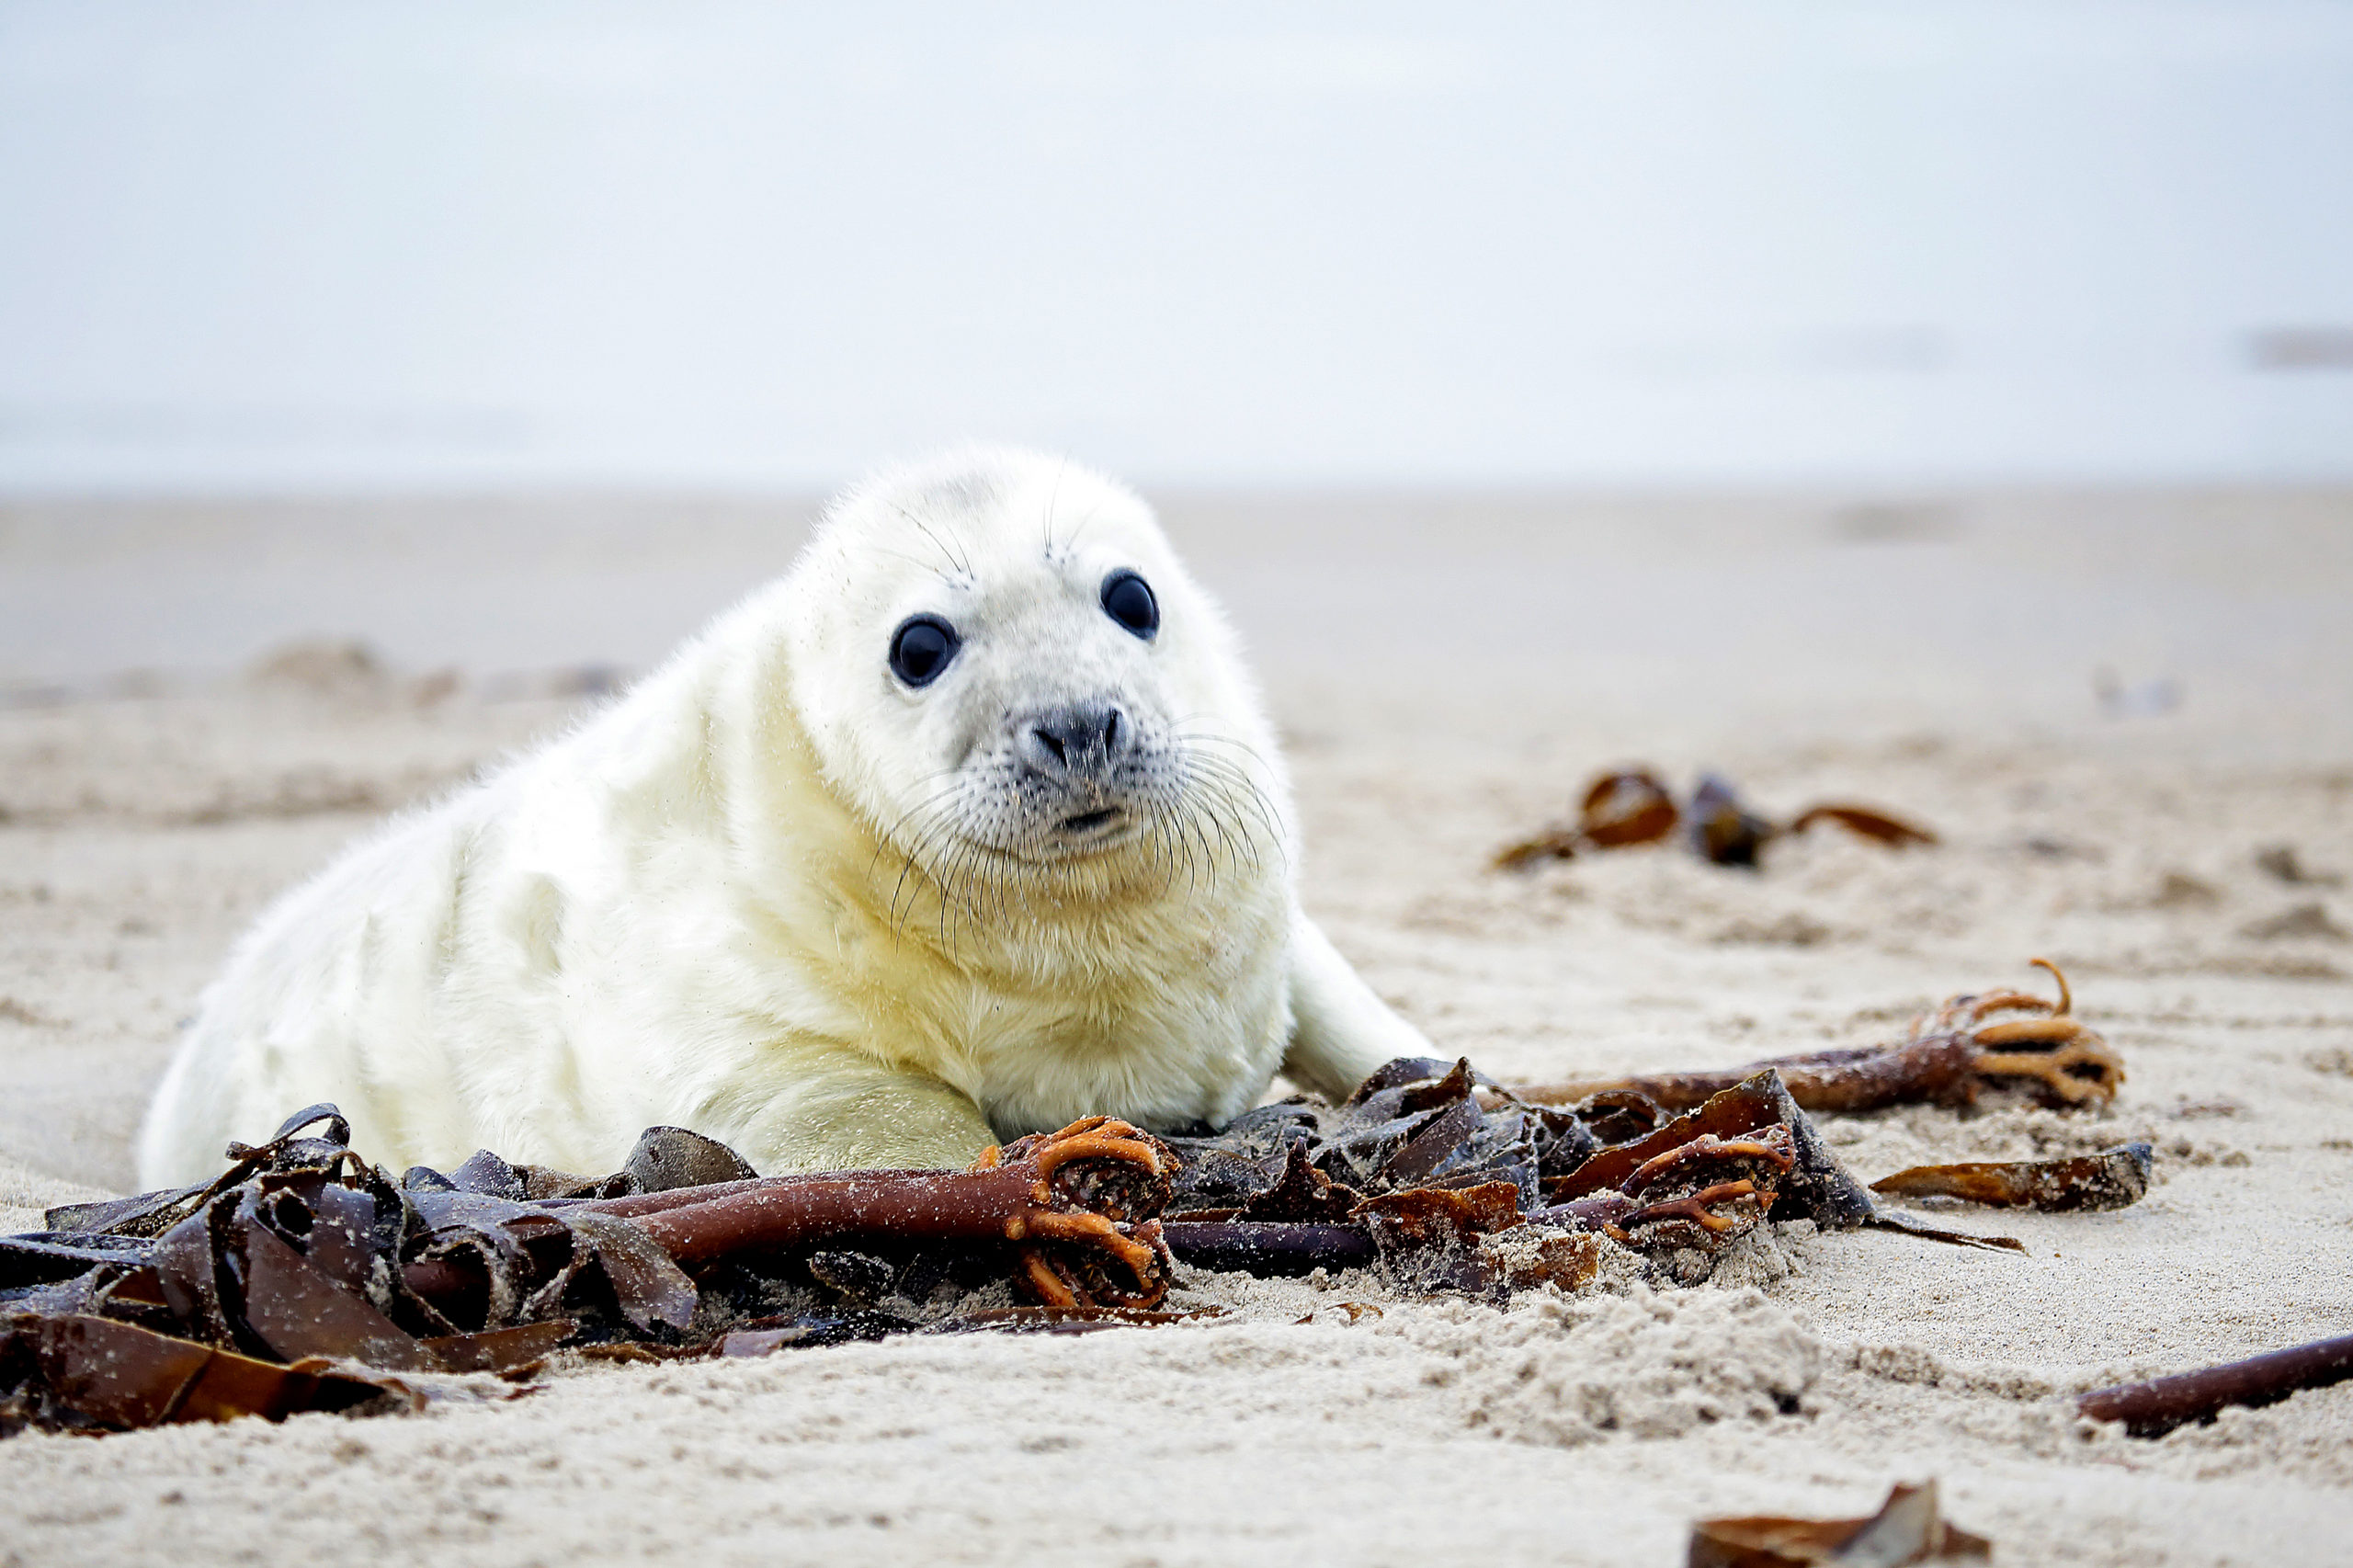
[(1086, 823)]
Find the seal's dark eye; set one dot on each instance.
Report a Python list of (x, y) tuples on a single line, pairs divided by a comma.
[(921, 648), (1127, 598)]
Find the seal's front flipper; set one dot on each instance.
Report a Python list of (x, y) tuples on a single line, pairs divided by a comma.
[(844, 1112), (1339, 1031)]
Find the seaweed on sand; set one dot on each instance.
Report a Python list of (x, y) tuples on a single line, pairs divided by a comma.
[(303, 1278)]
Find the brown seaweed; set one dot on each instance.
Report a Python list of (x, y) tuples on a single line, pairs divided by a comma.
[(152, 1213), (1631, 806), (1419, 1123), (1878, 826), (1627, 807), (1552, 843), (1269, 1247), (1429, 1238), (313, 1282), (1907, 1529), (1302, 1193), (1966, 1048), (1080, 1205), (1724, 830), (1727, 1160), (312, 1264), (73, 1371), (509, 1352), (1706, 1192), (2114, 1178), (2152, 1408), (1815, 1187)]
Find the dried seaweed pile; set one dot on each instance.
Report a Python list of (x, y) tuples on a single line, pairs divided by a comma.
[(305, 1279)]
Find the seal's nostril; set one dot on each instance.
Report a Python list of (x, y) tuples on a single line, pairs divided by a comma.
[(1076, 742)]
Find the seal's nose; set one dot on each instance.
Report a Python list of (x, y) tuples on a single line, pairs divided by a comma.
[(1075, 743)]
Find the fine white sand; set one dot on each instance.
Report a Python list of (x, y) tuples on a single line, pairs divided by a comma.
[(1449, 672)]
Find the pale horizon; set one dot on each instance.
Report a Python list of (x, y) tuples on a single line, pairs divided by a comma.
[(746, 249)]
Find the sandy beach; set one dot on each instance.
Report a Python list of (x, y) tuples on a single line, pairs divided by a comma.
[(2116, 708)]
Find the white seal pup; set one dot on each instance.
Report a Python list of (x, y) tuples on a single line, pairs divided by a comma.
[(971, 824)]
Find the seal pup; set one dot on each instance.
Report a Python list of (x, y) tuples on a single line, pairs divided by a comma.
[(971, 824)]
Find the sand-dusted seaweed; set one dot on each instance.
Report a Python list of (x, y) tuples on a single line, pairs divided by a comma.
[(2113, 1178)]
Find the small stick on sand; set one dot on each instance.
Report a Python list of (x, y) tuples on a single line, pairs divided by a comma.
[(2151, 1409)]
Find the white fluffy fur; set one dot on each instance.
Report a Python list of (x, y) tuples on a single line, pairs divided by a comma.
[(760, 895)]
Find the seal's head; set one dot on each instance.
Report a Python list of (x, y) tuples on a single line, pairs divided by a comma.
[(1006, 672)]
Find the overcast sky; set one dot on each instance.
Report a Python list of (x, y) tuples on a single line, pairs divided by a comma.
[(730, 245)]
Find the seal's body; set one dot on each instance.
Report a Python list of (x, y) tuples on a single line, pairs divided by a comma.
[(969, 825)]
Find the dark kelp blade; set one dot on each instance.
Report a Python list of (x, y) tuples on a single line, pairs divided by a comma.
[(45, 1257), (491, 1176), (501, 1350), (1428, 1148), (152, 1213), (1269, 1247), (1743, 1107), (1907, 1529), (103, 1373), (1399, 1072), (296, 1309), (647, 1285), (2114, 1178), (1620, 1116), (1301, 1195), (141, 1214)]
